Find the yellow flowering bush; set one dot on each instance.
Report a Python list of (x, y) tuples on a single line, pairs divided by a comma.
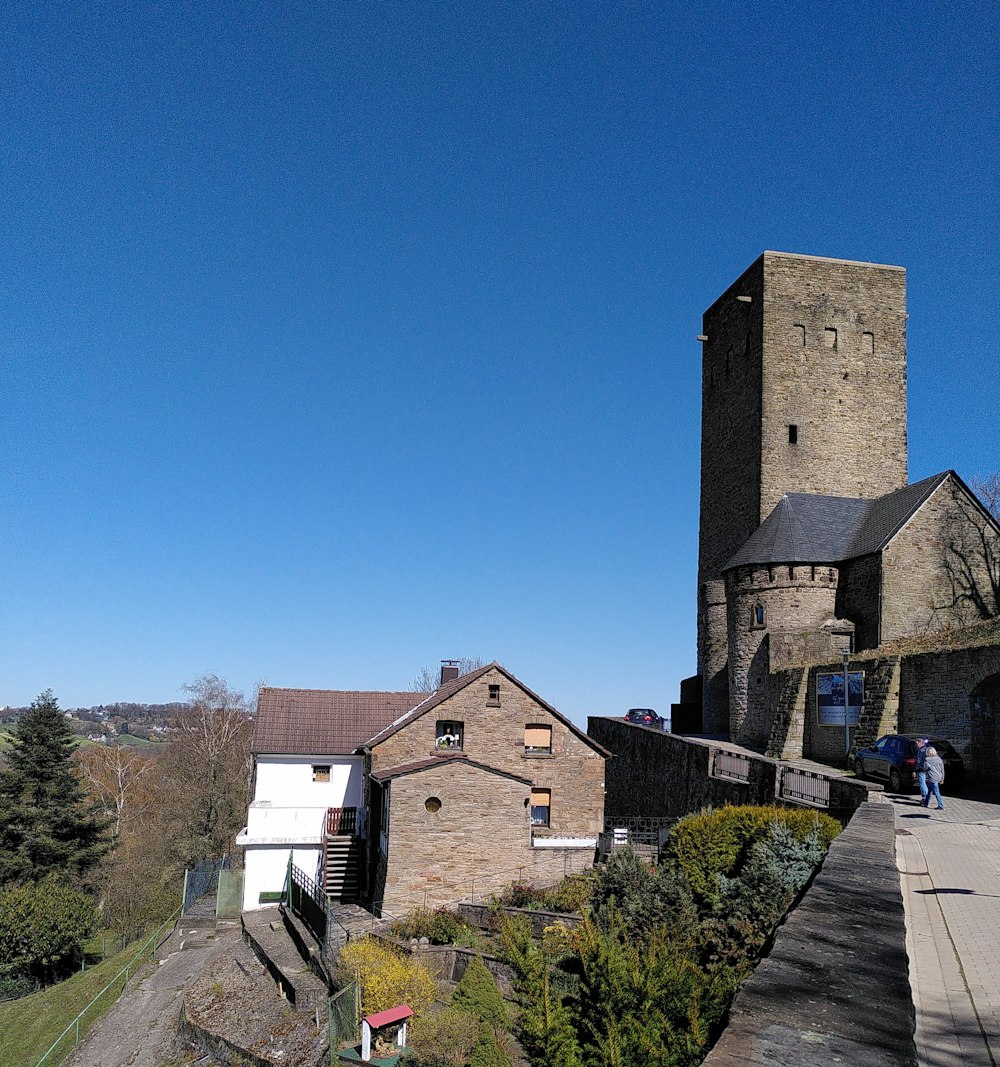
[(386, 978)]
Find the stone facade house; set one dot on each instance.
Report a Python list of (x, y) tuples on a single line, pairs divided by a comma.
[(404, 799)]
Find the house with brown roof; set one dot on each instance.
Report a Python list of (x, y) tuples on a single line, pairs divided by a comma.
[(406, 799)]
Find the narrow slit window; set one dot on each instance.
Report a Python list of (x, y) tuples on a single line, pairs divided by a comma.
[(793, 434), (759, 615)]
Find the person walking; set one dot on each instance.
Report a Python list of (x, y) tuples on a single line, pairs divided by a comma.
[(935, 776), (921, 768)]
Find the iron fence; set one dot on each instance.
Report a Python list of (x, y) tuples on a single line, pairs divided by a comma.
[(732, 765), (308, 901), (805, 787)]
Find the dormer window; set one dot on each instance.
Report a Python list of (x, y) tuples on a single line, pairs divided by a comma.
[(449, 734)]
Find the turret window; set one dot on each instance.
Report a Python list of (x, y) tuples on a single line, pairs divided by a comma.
[(758, 617)]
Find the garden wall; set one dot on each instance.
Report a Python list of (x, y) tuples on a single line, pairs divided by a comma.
[(835, 986)]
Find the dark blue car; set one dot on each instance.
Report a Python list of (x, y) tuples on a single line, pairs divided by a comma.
[(893, 758)]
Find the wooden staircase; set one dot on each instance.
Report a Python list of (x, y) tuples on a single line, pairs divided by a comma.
[(343, 857)]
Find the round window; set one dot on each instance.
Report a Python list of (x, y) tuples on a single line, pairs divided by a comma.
[(432, 804)]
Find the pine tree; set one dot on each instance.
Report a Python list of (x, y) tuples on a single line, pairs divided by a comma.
[(45, 823)]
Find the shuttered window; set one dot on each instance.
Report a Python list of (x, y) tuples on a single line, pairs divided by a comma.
[(541, 804), (537, 738)]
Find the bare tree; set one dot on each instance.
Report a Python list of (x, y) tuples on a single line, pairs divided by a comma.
[(207, 768), (972, 557), (428, 679), (122, 780)]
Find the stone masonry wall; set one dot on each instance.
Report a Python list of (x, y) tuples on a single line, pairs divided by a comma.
[(795, 598), (859, 595), (918, 593), (834, 366), (835, 986), (480, 834), (494, 734)]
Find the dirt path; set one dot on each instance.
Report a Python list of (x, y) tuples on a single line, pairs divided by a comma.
[(141, 1029)]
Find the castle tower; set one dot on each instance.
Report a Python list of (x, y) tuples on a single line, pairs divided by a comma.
[(803, 391)]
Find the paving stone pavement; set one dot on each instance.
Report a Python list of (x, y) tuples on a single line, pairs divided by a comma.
[(950, 870)]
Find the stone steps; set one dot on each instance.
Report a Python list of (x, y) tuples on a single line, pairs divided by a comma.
[(265, 933)]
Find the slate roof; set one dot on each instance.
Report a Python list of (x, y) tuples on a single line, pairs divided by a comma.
[(436, 761), (808, 528), (324, 721)]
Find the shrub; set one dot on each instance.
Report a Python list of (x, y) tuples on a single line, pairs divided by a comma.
[(719, 841), (440, 927), (568, 896), (385, 977), (477, 994), (442, 1039)]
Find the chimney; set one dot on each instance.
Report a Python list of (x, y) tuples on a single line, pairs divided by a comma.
[(449, 670)]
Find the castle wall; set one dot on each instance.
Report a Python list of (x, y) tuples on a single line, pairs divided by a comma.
[(937, 564), (834, 366), (859, 598), (803, 390), (796, 599)]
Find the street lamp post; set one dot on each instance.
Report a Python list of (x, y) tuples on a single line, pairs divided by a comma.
[(847, 708)]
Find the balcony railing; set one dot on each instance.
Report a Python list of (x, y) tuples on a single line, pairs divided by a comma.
[(341, 822)]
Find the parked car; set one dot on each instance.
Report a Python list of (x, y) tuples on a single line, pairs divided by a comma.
[(645, 717), (894, 759)]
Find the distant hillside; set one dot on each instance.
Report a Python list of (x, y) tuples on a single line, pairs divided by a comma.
[(123, 722)]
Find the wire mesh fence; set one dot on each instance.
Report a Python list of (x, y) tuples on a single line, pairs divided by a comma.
[(201, 880), (229, 895), (344, 1019)]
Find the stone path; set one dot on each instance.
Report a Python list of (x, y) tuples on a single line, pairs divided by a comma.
[(950, 869)]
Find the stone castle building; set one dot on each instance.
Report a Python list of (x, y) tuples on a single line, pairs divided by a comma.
[(811, 539)]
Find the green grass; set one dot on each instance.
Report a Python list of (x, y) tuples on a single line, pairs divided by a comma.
[(6, 736), (30, 1025)]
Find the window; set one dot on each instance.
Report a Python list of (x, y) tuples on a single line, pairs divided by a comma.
[(537, 739), (449, 734), (799, 334), (868, 343), (830, 337), (541, 802), (793, 434), (494, 695), (759, 616), (432, 805), (321, 772)]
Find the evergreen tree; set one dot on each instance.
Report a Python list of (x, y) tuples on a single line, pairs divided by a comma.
[(45, 823), (478, 995)]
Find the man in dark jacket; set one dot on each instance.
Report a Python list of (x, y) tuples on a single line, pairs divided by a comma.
[(921, 768)]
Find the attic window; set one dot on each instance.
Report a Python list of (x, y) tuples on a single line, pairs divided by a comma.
[(793, 434), (321, 772), (493, 696), (537, 739), (449, 734)]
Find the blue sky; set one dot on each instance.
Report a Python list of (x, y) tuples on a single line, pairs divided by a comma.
[(341, 338)]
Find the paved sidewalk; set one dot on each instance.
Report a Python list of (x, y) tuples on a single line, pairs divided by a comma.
[(950, 870)]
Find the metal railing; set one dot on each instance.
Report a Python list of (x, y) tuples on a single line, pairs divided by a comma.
[(805, 787), (308, 901), (81, 1024), (732, 765)]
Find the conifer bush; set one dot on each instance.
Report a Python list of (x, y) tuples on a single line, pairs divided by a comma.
[(719, 840)]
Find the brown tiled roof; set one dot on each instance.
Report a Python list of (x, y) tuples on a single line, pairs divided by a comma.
[(436, 761), (327, 722)]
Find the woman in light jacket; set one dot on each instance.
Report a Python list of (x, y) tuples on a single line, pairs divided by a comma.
[(934, 766)]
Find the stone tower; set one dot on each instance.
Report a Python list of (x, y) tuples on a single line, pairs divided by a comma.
[(803, 391)]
